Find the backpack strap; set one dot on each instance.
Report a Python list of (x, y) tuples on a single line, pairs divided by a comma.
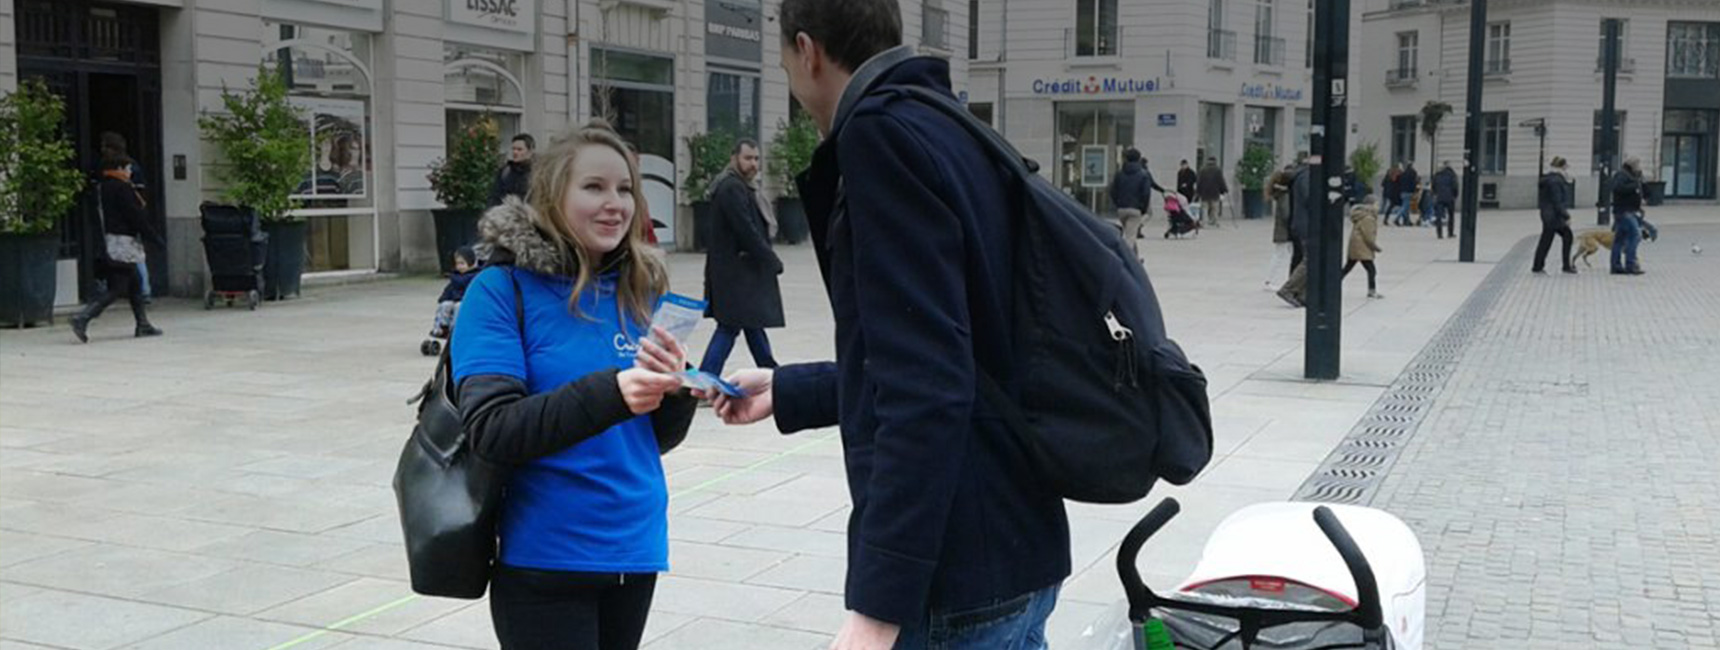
[(995, 145)]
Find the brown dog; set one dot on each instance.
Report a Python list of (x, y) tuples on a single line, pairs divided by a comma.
[(1591, 241)]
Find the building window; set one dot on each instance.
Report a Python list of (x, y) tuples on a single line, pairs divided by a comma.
[(1095, 28), (1599, 146), (935, 27), (731, 103), (1408, 56), (1498, 48), (1268, 50), (1403, 138), (1693, 50), (1091, 138), (1262, 125), (1220, 42), (1308, 39), (1625, 64), (973, 29), (636, 94), (982, 110), (1495, 133)]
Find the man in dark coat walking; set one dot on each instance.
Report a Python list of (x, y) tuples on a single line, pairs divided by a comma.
[(1555, 218), (1302, 187), (1132, 193), (1445, 201), (515, 177), (1186, 180), (1211, 188), (1406, 187), (740, 266)]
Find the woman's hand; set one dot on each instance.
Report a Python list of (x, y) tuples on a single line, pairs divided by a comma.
[(644, 389), (661, 353)]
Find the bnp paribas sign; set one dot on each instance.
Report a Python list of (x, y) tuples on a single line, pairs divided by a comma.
[(510, 15), (1096, 85)]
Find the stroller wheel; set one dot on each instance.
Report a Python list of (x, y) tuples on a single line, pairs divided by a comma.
[(209, 301), (430, 347), (252, 299)]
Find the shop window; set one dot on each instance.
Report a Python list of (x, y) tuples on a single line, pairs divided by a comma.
[(731, 103), (479, 82), (1091, 138), (1495, 136), (1403, 138)]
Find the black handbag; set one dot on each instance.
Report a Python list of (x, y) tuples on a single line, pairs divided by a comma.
[(448, 497)]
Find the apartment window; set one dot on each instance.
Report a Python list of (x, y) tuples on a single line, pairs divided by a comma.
[(1308, 39), (1693, 50), (1599, 146), (1408, 56), (1267, 49), (973, 29), (1096, 28), (1220, 42), (1625, 63), (1403, 138), (1495, 134), (1498, 48)]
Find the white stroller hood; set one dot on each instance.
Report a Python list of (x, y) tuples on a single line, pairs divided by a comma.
[(1272, 543)]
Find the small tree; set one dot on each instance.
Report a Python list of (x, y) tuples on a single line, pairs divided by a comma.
[(38, 182), (462, 180), (1256, 166), (791, 152), (265, 145), (710, 156), (1432, 114), (1366, 160)]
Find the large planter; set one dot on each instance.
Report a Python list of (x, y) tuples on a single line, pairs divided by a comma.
[(1253, 204), (454, 228), (28, 278), (703, 216), (285, 262), (791, 226), (1654, 192)]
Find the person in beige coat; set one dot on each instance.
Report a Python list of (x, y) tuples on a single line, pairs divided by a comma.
[(1364, 243)]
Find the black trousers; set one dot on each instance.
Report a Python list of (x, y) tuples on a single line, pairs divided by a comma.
[(564, 610), (1366, 264), (1296, 253), (122, 282), (1450, 223), (1563, 231)]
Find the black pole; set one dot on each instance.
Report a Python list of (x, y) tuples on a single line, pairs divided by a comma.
[(1609, 123), (1326, 203), (1472, 131)]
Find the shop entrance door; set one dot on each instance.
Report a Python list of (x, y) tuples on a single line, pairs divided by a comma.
[(1686, 162), (1091, 139)]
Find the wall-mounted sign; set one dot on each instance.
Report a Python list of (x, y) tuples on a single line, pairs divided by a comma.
[(510, 15), (1095, 165), (1167, 119), (733, 30), (1270, 92), (1095, 85)]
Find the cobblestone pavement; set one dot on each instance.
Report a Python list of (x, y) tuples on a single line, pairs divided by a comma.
[(1566, 482)]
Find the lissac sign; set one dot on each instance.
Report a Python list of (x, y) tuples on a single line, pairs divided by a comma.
[(1095, 85)]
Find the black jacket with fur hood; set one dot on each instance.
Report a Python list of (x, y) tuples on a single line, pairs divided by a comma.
[(506, 422)]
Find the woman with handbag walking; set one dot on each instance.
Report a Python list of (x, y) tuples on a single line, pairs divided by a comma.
[(575, 400), (124, 228)]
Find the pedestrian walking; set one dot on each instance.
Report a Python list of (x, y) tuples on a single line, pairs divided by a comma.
[(1389, 192), (741, 290), (1445, 201), (515, 176), (1627, 217), (952, 542), (1555, 217), (125, 228), (113, 145), (1132, 193), (1364, 244), (1408, 184), (1301, 188), (1186, 182), (1286, 251), (559, 383), (1212, 189)]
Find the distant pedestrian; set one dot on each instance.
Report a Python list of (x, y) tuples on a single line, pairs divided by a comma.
[(1364, 244), (1212, 189), (1301, 222), (113, 145), (515, 176), (1408, 183), (125, 228), (1286, 251), (1132, 193), (1554, 194), (740, 266), (1389, 192), (1627, 217), (1445, 201), (1186, 181)]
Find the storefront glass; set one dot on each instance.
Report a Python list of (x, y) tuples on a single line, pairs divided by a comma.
[(732, 103), (1214, 129), (636, 94), (476, 82), (1260, 127), (1091, 138), (1688, 147)]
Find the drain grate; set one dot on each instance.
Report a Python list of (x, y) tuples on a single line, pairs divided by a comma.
[(1353, 471)]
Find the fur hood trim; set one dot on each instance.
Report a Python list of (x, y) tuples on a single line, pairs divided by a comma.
[(510, 236)]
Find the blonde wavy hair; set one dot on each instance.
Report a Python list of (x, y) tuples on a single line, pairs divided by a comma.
[(644, 276)]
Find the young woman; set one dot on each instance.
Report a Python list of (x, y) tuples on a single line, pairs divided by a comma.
[(574, 398), (125, 229)]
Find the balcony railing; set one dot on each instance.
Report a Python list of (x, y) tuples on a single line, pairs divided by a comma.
[(1494, 67), (1401, 77), (1625, 64), (1268, 50), (1221, 44), (1086, 43)]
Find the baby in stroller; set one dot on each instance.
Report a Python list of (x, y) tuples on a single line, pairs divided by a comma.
[(1176, 212), (448, 305)]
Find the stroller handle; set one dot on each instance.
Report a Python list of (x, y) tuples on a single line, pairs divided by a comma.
[(1367, 591), (1141, 597)]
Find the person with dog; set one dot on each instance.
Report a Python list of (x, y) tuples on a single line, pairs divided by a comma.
[(1445, 201), (1132, 193), (1627, 217), (953, 542), (1555, 218)]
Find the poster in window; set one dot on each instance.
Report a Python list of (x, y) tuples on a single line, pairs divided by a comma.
[(1095, 165), (338, 164)]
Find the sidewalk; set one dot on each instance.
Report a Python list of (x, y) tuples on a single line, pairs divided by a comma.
[(227, 485)]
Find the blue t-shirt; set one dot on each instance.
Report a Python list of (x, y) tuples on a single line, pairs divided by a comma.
[(601, 505)]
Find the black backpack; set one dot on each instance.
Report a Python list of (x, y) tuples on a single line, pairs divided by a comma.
[(1107, 403)]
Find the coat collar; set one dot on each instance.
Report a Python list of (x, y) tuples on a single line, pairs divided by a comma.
[(864, 78)]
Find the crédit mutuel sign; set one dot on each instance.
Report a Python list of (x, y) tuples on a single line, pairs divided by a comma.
[(1095, 85)]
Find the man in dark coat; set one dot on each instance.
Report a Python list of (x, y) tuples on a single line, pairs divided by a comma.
[(1406, 187), (740, 266), (515, 177), (1302, 186), (1132, 193), (1186, 182), (1445, 201), (949, 526), (1211, 188), (1555, 218), (1627, 217)]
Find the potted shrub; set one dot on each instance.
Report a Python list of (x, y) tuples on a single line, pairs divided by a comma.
[(1256, 166), (266, 150), (709, 153), (1366, 160), (790, 154), (462, 182), (38, 184)]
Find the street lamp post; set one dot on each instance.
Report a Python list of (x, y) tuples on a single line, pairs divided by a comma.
[(1326, 201), (1609, 122), (1472, 131)]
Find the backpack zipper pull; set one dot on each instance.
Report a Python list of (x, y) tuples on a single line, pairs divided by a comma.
[(1125, 338), (1118, 332)]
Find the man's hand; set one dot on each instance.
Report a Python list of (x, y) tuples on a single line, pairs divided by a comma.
[(644, 389), (755, 406), (861, 632)]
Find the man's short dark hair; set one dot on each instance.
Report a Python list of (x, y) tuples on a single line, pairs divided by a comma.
[(116, 161), (1185, 161), (743, 142), (531, 143), (851, 31), (1132, 154)]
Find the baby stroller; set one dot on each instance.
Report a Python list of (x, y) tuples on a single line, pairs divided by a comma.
[(235, 246), (1282, 576), (448, 304), (1181, 222)]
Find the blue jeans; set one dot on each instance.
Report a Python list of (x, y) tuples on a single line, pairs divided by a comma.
[(723, 343), (1403, 208), (143, 272), (1013, 624), (1627, 233)]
